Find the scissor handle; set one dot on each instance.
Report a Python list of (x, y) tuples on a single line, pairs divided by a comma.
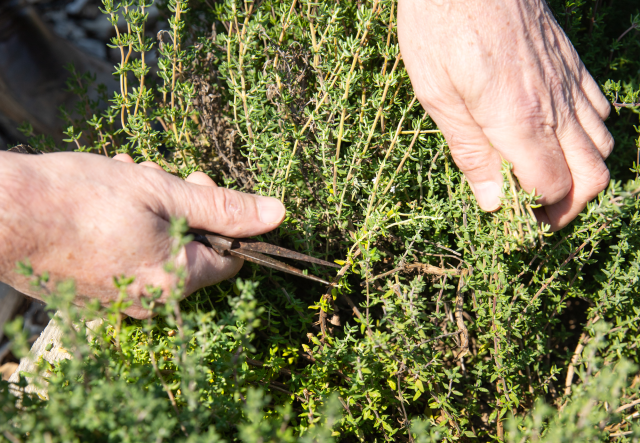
[(219, 243)]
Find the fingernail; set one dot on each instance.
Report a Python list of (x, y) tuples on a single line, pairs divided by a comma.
[(487, 195), (270, 210)]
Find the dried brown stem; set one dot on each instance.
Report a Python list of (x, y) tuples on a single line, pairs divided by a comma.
[(462, 328), (584, 339), (422, 267), (627, 406)]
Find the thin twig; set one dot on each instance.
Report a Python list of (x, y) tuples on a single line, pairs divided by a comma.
[(627, 406), (424, 131), (357, 313), (407, 422), (620, 434), (462, 329), (277, 388), (260, 364), (328, 296), (423, 267), (584, 339), (439, 337), (626, 105), (567, 260), (9, 436), (168, 391)]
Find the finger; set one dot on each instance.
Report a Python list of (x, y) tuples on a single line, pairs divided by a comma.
[(472, 152), (215, 209), (537, 159), (200, 178), (595, 128), (125, 158), (594, 94), (206, 267), (525, 136), (153, 165), (588, 172)]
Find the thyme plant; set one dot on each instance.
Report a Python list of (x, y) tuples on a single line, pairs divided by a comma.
[(444, 323)]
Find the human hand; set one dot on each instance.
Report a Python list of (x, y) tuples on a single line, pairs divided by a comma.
[(90, 218), (500, 78)]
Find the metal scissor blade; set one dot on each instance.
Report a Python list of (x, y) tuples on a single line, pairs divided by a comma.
[(266, 248), (264, 260)]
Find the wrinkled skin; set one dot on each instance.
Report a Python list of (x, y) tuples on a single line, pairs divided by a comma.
[(501, 79), (90, 218)]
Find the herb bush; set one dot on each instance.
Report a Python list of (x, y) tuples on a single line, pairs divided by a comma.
[(444, 323)]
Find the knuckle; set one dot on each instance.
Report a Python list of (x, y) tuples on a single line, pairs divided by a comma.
[(607, 146), (601, 179), (531, 116), (602, 106), (604, 109), (470, 158), (229, 208), (163, 191), (597, 181), (557, 189)]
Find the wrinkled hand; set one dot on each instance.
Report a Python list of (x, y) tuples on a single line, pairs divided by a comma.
[(90, 218), (500, 78)]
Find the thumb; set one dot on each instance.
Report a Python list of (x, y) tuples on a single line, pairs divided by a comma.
[(474, 155), (223, 211), (220, 210)]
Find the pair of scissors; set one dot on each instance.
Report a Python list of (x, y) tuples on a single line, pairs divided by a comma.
[(254, 251)]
